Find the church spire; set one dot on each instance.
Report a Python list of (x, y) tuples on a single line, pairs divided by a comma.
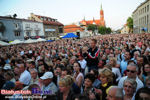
[(101, 7)]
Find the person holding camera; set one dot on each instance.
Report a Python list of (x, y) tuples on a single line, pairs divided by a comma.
[(89, 90)]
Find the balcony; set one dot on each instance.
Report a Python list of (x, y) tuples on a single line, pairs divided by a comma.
[(37, 29)]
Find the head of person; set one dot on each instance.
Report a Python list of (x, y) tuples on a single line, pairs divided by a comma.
[(8, 75), (127, 55), (93, 43), (106, 76), (140, 60), (115, 93), (94, 72), (89, 80), (132, 70), (66, 83), (34, 87), (136, 54), (146, 69), (112, 62), (129, 86), (22, 67), (77, 67), (34, 73), (64, 72), (47, 78), (143, 94), (59, 69)]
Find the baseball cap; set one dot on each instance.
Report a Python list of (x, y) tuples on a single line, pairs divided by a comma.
[(7, 67), (47, 75)]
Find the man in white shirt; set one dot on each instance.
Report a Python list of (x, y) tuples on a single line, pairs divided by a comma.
[(48, 87), (132, 71), (82, 62), (25, 76)]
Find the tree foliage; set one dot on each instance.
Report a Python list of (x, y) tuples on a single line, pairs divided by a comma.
[(130, 24), (104, 30), (91, 27)]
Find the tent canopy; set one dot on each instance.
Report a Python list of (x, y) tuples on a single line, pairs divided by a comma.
[(70, 35), (40, 39), (3, 43), (16, 41), (30, 41)]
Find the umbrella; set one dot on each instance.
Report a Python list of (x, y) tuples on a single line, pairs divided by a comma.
[(70, 35)]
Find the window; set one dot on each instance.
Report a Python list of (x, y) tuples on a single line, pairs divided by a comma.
[(28, 33), (37, 33), (16, 25), (17, 33), (27, 25), (147, 8)]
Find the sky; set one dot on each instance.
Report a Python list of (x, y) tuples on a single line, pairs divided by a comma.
[(67, 12)]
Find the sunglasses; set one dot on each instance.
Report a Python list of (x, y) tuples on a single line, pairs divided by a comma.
[(130, 71)]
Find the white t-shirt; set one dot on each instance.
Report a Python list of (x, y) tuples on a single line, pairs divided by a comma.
[(116, 71), (25, 77), (83, 63)]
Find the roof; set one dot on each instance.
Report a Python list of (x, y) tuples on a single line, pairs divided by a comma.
[(72, 28), (49, 22), (97, 22), (9, 17), (140, 5)]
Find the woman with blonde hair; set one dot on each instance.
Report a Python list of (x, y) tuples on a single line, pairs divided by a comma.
[(106, 77), (65, 92)]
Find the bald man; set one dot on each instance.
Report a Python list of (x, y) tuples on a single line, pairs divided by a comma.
[(115, 93)]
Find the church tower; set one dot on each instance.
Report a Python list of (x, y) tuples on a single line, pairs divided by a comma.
[(102, 22)]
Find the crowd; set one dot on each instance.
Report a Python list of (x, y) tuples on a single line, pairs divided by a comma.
[(105, 67)]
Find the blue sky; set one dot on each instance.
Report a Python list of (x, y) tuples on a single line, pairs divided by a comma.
[(116, 12)]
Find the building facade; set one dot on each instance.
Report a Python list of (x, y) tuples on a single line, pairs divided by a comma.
[(52, 28), (141, 18), (125, 29), (32, 29), (13, 29)]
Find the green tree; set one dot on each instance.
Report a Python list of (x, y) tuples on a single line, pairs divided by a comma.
[(104, 30), (130, 24), (91, 27), (108, 30), (2, 27)]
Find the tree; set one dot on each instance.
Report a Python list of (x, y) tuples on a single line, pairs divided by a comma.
[(108, 30), (91, 27), (130, 24), (104, 30), (2, 27)]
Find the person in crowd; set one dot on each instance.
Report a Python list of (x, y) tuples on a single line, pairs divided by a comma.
[(124, 62), (78, 74), (34, 76), (92, 55), (142, 94), (89, 90), (115, 70), (9, 76), (132, 71), (145, 72), (129, 87), (81, 97), (48, 84), (25, 76), (65, 88), (64, 72), (97, 82), (106, 78), (82, 62), (115, 93)]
